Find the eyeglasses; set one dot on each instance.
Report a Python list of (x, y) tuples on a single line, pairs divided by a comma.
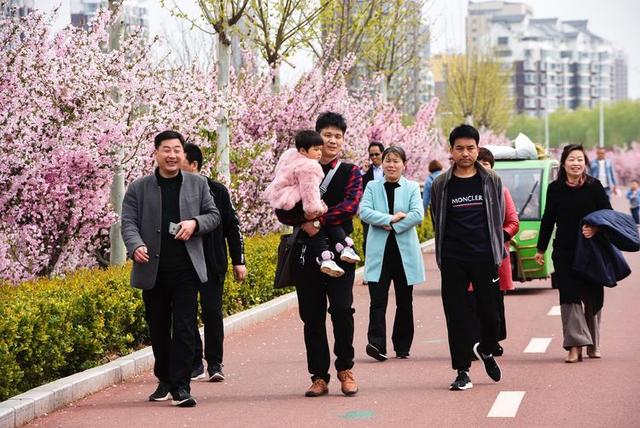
[(374, 155)]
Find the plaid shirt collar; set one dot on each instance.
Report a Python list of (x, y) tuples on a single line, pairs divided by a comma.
[(332, 163)]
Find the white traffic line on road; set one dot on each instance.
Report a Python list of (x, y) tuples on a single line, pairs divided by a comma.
[(555, 310), (506, 404), (537, 345)]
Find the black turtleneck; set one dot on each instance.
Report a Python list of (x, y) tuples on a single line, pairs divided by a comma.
[(173, 252), (391, 251), (390, 188)]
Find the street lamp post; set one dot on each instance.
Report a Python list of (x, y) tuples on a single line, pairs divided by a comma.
[(601, 134), (546, 129)]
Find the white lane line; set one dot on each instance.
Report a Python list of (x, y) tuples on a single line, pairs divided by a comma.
[(555, 310), (506, 404), (537, 345)]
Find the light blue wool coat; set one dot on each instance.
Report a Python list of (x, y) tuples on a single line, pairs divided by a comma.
[(374, 209)]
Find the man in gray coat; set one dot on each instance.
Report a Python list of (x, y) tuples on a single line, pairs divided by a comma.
[(164, 216), (467, 210)]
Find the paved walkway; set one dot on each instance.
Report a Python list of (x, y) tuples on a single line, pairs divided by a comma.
[(266, 376)]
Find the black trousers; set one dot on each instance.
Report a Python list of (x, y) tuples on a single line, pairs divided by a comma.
[(315, 290), (502, 329), (365, 232), (456, 276), (170, 311), (326, 239), (211, 304), (403, 329)]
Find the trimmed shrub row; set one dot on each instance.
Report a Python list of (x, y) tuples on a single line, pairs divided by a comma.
[(51, 328)]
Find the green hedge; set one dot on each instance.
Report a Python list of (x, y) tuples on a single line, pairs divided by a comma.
[(51, 328)]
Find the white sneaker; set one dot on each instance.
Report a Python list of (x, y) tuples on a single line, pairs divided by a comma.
[(349, 256), (330, 268)]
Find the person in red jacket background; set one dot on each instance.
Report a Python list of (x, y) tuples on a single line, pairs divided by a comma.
[(510, 226)]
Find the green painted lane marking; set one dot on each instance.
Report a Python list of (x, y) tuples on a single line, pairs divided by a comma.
[(358, 414)]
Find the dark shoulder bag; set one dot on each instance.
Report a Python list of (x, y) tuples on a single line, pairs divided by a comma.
[(284, 277)]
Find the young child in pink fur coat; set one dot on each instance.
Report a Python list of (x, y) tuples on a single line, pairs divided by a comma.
[(297, 181)]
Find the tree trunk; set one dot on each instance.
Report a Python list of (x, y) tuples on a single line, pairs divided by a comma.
[(117, 253), (468, 119), (275, 80), (384, 89), (222, 151)]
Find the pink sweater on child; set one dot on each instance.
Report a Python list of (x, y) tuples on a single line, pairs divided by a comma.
[(297, 178)]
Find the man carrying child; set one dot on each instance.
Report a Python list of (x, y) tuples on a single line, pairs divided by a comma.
[(314, 288)]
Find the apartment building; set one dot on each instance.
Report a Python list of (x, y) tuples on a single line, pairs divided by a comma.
[(556, 64)]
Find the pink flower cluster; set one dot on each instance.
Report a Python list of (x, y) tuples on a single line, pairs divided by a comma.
[(73, 112), (264, 123)]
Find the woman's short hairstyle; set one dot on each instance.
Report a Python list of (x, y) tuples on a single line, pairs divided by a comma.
[(434, 166), (485, 155), (396, 150)]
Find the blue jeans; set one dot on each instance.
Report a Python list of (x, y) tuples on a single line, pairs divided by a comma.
[(635, 214)]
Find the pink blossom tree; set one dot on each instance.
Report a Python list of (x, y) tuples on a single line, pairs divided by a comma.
[(61, 131), (64, 134)]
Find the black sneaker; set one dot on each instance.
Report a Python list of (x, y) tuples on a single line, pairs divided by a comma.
[(402, 355), (216, 374), (198, 373), (490, 364), (183, 399), (374, 352), (462, 382), (498, 352), (162, 392)]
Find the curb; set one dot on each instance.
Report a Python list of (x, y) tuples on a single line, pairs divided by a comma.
[(39, 401)]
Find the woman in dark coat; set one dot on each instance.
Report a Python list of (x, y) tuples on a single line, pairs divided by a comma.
[(569, 198)]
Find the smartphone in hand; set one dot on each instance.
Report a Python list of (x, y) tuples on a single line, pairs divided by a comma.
[(174, 228)]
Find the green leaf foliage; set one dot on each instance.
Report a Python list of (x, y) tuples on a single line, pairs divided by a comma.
[(582, 126)]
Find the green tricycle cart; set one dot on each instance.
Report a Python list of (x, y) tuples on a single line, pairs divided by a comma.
[(527, 181)]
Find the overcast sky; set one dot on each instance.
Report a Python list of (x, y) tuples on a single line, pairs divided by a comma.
[(614, 20)]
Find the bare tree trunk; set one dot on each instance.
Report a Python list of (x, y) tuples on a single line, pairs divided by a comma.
[(468, 119), (384, 89), (222, 151), (275, 82), (118, 253)]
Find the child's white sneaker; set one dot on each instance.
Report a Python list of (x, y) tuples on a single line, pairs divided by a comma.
[(329, 267), (349, 256)]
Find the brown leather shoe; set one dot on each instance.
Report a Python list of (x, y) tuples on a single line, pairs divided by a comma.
[(318, 387), (347, 382)]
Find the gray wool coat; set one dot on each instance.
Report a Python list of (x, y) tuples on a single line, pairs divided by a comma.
[(142, 218)]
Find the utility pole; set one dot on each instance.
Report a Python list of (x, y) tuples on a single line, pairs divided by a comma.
[(546, 107), (546, 129), (601, 139), (601, 119)]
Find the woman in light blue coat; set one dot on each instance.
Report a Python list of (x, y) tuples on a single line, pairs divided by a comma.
[(393, 208)]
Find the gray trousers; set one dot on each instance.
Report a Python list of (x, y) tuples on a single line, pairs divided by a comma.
[(580, 326)]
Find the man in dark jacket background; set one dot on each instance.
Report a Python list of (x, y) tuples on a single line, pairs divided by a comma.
[(216, 257), (374, 172)]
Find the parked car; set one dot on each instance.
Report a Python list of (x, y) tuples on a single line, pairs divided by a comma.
[(528, 180)]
